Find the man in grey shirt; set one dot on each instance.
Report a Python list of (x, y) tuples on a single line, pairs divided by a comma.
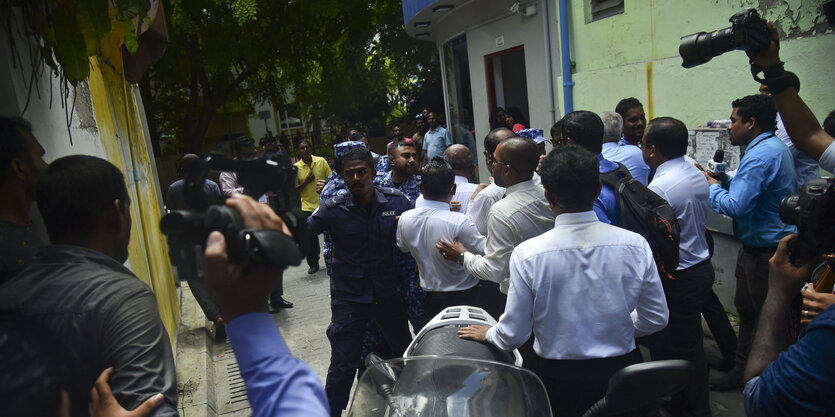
[(79, 289)]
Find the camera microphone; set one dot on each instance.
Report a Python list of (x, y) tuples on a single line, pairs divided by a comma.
[(716, 166)]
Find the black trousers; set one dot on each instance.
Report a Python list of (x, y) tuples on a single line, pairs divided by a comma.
[(346, 333), (575, 385), (683, 337), (437, 301), (278, 289), (720, 327), (309, 243)]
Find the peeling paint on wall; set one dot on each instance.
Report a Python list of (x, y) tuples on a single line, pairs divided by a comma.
[(794, 18)]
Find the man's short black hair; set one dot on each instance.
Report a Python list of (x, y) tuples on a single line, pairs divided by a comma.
[(437, 178), (669, 136), (556, 129), (243, 142), (627, 104), (356, 136), (396, 144), (75, 191), (584, 128), (829, 124), (12, 142), (492, 140), (760, 107), (571, 175), (358, 154)]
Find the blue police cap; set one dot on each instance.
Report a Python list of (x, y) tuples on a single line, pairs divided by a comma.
[(340, 149), (534, 134)]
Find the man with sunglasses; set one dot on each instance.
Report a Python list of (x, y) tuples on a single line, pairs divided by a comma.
[(521, 214)]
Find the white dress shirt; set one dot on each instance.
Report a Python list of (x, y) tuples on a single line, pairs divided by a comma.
[(463, 191), (478, 209), (522, 214), (419, 229), (585, 288), (687, 191)]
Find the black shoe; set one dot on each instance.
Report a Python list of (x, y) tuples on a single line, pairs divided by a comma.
[(729, 381), (719, 363), (279, 304), (313, 270)]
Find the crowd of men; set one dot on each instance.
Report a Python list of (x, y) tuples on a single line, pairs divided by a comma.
[(407, 234)]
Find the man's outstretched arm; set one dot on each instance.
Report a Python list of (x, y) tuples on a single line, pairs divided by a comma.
[(277, 383)]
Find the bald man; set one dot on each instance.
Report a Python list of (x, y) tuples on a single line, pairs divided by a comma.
[(460, 158), (523, 213)]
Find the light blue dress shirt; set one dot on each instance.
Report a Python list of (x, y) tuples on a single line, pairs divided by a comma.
[(277, 383), (765, 175), (435, 142), (606, 204), (827, 160), (630, 156)]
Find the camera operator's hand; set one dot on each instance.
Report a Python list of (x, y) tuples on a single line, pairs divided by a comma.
[(234, 293), (814, 303), (784, 277), (770, 56)]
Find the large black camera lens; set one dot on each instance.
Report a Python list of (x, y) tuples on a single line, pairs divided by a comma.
[(789, 209), (698, 48)]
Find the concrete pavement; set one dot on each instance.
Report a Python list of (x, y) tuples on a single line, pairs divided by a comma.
[(210, 385)]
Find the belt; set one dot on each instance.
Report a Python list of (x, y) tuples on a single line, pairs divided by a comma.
[(757, 250)]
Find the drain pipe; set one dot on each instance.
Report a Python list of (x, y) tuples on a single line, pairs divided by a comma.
[(565, 58)]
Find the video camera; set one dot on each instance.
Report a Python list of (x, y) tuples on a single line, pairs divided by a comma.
[(187, 230), (747, 32), (813, 212)]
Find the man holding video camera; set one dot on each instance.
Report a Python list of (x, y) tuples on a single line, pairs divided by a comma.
[(752, 197)]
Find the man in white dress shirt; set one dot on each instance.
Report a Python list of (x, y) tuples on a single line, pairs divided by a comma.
[(418, 231), (683, 186), (460, 158), (585, 289), (478, 208)]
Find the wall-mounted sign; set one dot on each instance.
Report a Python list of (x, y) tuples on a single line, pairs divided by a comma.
[(499, 41)]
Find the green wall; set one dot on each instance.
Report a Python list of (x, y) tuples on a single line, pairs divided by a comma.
[(636, 54)]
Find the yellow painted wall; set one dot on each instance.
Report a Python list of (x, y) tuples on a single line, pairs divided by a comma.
[(122, 139)]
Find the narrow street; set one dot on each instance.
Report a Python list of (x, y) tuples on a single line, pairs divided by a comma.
[(207, 374)]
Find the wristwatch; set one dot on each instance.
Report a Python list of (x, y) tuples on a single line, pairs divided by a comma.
[(460, 258)]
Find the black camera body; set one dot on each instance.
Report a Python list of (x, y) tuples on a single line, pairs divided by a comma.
[(187, 230), (812, 210), (748, 32)]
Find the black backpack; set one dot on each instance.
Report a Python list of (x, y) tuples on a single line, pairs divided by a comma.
[(647, 214)]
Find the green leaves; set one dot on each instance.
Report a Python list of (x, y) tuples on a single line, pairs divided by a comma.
[(73, 30)]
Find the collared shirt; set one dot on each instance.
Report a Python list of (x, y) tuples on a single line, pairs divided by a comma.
[(522, 214), (103, 316), (478, 209), (363, 243), (229, 184), (805, 166), (421, 228), (686, 189), (765, 175), (410, 187), (463, 191), (585, 288), (606, 204), (435, 142), (630, 156), (277, 383), (321, 170)]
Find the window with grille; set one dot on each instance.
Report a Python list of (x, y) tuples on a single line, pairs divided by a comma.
[(604, 8)]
